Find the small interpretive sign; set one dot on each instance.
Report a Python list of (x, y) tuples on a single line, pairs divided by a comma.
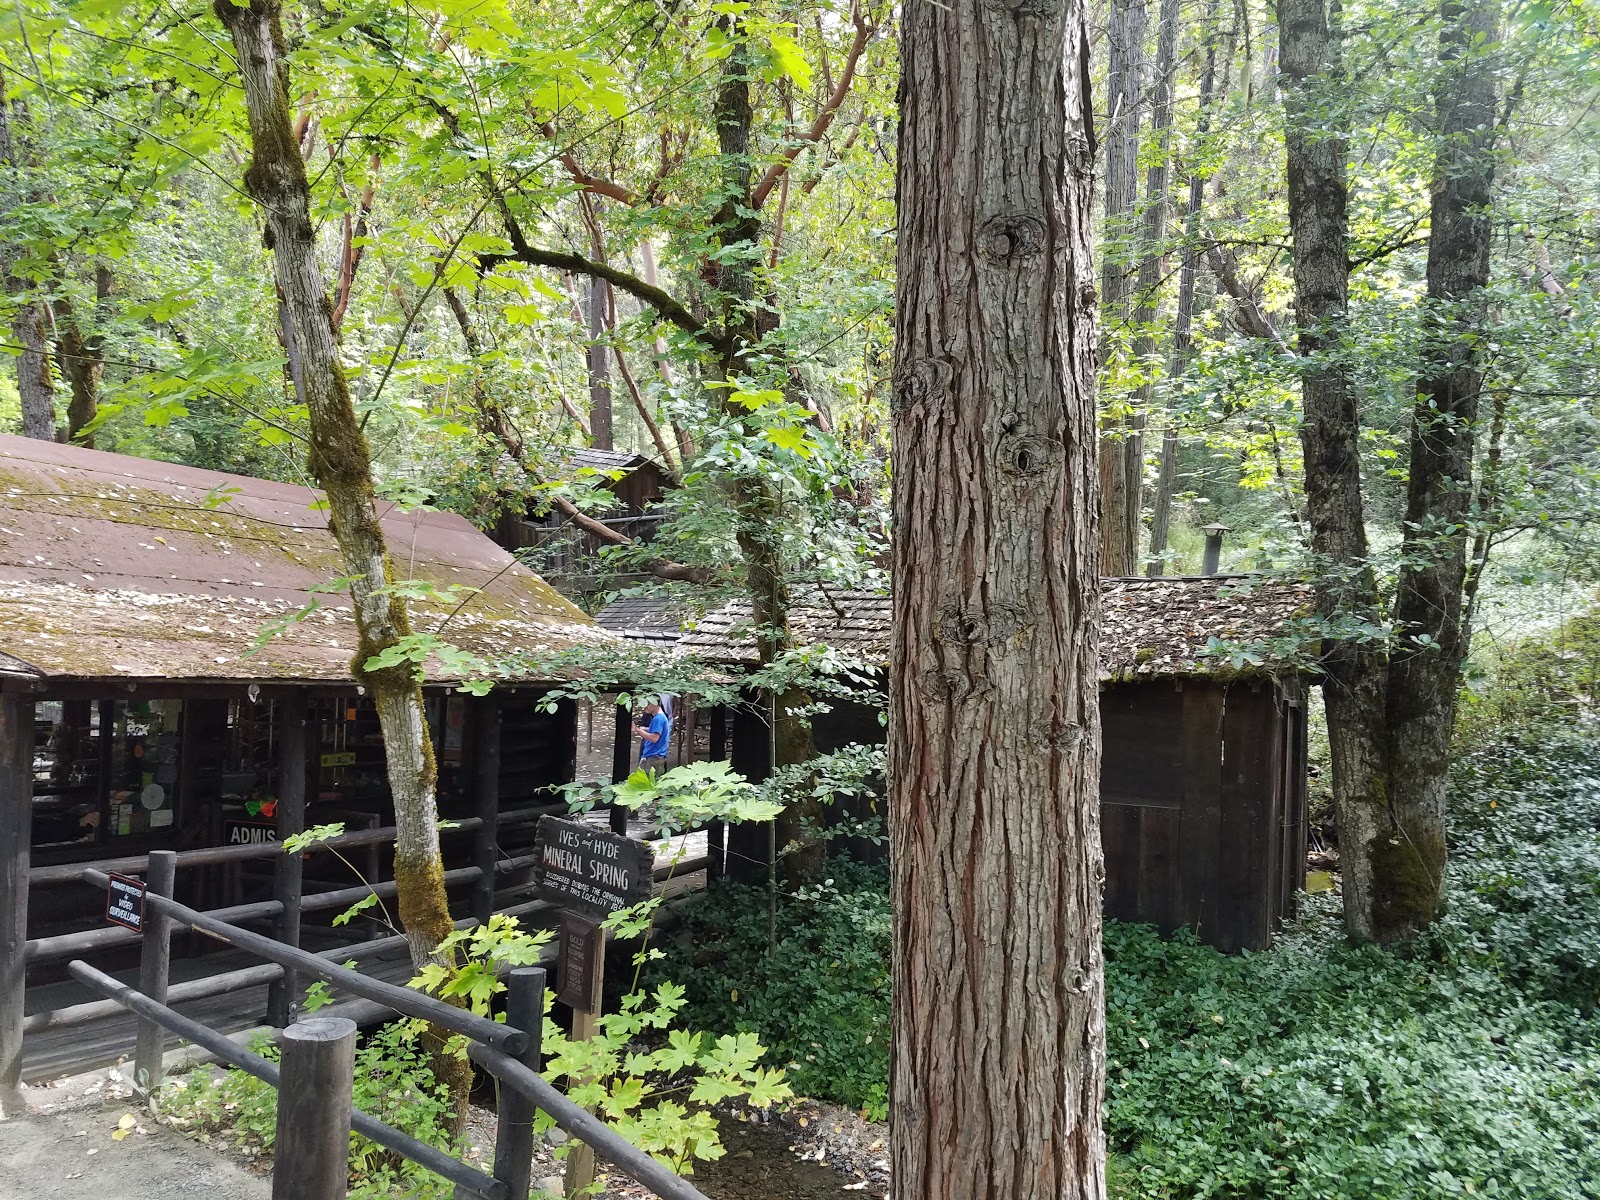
[(581, 963), (125, 902), (590, 870)]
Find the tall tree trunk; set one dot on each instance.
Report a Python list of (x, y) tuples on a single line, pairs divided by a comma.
[(758, 513), (994, 737), (599, 365), (83, 356), (1425, 666), (1183, 318), (1152, 262), (1121, 448), (276, 179), (35, 377), (1354, 688)]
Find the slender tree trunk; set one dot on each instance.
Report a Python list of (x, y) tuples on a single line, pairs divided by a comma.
[(83, 357), (1152, 262), (1354, 689), (1425, 666), (599, 366), (994, 738), (1121, 446), (276, 179), (35, 376), (758, 511), (1183, 318)]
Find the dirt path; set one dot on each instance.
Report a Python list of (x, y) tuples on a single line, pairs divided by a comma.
[(70, 1155)]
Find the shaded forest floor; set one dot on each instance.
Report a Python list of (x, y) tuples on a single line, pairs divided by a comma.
[(1314, 1071)]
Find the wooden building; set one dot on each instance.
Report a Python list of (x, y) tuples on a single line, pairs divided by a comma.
[(1203, 776), (175, 674), (569, 556)]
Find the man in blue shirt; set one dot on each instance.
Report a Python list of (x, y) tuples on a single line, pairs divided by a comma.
[(655, 736)]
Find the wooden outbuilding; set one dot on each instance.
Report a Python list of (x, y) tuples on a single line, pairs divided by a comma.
[(568, 555), (175, 657), (1204, 772)]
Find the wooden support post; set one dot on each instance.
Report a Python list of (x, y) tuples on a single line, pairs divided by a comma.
[(621, 764), (154, 959), (288, 870), (315, 1080), (16, 846), (580, 1163), (717, 831), (486, 795), (513, 1146)]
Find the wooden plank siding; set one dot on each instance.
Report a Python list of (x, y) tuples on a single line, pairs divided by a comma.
[(1203, 806)]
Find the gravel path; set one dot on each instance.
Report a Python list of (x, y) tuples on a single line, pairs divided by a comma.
[(67, 1148)]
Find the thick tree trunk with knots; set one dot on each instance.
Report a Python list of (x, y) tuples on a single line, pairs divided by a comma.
[(994, 739), (276, 179)]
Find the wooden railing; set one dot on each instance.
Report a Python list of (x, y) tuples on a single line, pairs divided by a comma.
[(315, 1112)]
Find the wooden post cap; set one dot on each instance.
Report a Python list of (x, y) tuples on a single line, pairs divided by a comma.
[(319, 1029)]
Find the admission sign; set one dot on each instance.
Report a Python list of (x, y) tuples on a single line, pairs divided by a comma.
[(591, 870)]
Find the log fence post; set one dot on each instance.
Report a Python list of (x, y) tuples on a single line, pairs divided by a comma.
[(155, 958), (513, 1146), (315, 1080), (621, 764), (717, 831)]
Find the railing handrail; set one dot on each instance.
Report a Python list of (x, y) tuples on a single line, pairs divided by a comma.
[(224, 1048), (137, 864), (407, 1002)]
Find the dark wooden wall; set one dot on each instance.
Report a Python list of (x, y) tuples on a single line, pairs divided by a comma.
[(1203, 801), (1203, 806)]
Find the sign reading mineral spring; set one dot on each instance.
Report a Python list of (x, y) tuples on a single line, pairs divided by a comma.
[(590, 869)]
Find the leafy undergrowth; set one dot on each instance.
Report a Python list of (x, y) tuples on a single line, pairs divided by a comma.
[(1315, 1071)]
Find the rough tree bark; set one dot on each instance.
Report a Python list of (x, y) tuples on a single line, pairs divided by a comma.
[(1121, 447), (1353, 690), (1183, 317), (1390, 711), (994, 739), (1425, 666), (35, 376), (276, 179)]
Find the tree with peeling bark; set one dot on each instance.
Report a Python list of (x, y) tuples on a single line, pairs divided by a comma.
[(276, 178), (994, 736)]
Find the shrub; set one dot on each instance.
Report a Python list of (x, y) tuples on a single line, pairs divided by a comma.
[(818, 997), (1317, 1070)]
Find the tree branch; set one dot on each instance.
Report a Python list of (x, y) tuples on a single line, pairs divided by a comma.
[(665, 305), (1251, 318), (841, 89)]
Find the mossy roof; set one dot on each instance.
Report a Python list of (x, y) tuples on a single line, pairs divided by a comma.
[(1149, 628), (128, 568)]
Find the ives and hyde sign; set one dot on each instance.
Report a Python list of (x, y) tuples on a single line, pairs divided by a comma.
[(591, 869)]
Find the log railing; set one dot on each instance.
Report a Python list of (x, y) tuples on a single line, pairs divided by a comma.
[(315, 1115)]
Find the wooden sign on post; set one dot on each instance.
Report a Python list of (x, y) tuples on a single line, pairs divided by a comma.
[(125, 902), (581, 965), (590, 873), (591, 870)]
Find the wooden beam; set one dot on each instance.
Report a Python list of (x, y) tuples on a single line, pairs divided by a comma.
[(288, 870), (486, 798), (621, 764), (16, 844)]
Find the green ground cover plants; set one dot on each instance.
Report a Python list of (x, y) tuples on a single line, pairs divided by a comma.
[(1317, 1070)]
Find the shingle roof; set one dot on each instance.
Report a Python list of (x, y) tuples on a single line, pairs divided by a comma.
[(1149, 627), (604, 460), (112, 566), (643, 619)]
